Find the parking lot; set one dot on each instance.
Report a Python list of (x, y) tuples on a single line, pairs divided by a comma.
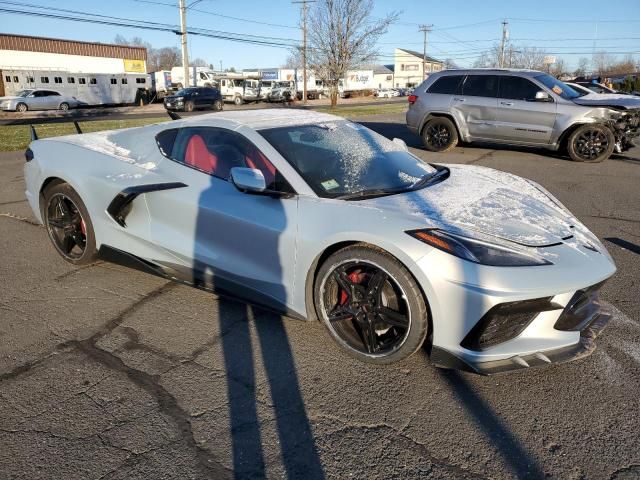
[(109, 373)]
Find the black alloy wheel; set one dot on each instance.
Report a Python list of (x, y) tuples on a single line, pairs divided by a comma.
[(68, 225), (371, 305), (439, 135), (591, 143)]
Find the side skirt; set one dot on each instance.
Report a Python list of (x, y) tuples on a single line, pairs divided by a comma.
[(222, 287)]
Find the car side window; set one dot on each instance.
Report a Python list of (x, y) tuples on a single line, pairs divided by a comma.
[(480, 86), (518, 88), (448, 84), (215, 151)]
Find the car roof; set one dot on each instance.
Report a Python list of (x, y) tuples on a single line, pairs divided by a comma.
[(490, 71), (265, 118)]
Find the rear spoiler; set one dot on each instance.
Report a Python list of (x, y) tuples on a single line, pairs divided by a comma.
[(34, 134)]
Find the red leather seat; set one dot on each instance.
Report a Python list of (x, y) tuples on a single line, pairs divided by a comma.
[(261, 162), (198, 155)]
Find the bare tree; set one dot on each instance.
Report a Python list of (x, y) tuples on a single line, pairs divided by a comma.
[(602, 62), (450, 63), (294, 59), (199, 62), (583, 67), (529, 57), (341, 35), (559, 68)]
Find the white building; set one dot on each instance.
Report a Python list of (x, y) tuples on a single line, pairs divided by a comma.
[(408, 69)]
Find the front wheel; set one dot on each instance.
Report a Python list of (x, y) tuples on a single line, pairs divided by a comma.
[(69, 225), (439, 135), (591, 143), (371, 305), (189, 106), (238, 100)]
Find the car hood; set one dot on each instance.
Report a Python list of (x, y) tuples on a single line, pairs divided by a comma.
[(479, 199), (608, 100)]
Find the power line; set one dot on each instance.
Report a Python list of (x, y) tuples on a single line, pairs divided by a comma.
[(235, 37), (207, 12)]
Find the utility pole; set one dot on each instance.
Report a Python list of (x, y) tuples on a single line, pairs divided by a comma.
[(424, 29), (304, 46), (183, 34), (505, 36)]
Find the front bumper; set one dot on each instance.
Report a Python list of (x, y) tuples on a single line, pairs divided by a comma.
[(529, 315), (592, 324), (174, 105)]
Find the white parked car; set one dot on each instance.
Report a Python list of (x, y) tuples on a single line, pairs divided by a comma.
[(388, 93), (38, 100)]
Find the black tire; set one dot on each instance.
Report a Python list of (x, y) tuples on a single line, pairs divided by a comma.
[(357, 319), (21, 107), (238, 100), (189, 106), (68, 224), (591, 143), (64, 106), (439, 134), (217, 105)]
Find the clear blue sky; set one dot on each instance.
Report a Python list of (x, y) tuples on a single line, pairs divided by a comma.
[(461, 29)]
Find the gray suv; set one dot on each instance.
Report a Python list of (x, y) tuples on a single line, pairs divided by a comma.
[(519, 107)]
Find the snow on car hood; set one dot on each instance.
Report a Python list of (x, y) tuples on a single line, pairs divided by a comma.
[(608, 99), (489, 201)]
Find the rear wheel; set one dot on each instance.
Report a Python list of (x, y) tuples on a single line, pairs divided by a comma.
[(188, 106), (439, 135), (591, 143), (217, 105), (21, 107), (68, 225), (371, 305), (64, 106)]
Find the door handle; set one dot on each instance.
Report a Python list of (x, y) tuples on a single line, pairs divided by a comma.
[(458, 99), (508, 104)]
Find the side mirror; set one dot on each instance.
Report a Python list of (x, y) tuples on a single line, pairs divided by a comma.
[(399, 141), (249, 180), (542, 96)]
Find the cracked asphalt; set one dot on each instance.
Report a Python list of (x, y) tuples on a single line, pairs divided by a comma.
[(109, 373)]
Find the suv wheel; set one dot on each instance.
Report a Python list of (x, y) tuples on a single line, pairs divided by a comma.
[(439, 135), (188, 106), (591, 143)]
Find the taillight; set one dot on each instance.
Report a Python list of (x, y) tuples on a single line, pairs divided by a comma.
[(413, 99)]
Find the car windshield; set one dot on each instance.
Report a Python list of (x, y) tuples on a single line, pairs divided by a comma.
[(186, 91), (558, 87), (23, 93), (345, 159)]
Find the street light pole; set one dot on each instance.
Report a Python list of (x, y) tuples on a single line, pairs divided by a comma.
[(183, 34)]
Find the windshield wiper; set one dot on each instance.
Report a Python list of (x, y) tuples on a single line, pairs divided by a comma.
[(425, 181)]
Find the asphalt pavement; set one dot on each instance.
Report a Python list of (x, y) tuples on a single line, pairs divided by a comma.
[(109, 373)]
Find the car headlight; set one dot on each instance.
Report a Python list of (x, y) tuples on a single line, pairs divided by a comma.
[(477, 251)]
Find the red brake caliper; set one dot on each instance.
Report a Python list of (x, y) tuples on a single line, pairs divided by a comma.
[(83, 228), (356, 277)]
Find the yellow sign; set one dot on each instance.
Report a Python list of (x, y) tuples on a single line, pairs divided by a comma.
[(134, 66)]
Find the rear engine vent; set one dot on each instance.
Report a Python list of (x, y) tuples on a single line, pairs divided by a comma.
[(505, 321)]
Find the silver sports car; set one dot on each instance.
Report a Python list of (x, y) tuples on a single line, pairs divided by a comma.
[(321, 218)]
